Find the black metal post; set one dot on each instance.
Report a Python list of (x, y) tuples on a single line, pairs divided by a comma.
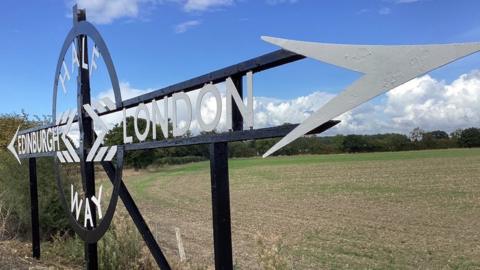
[(137, 218), (32, 162), (86, 133), (222, 232)]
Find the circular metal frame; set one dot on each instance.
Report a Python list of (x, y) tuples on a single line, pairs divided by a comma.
[(87, 29)]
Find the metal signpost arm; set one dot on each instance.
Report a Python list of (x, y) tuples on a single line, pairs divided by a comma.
[(86, 133), (34, 208), (256, 64)]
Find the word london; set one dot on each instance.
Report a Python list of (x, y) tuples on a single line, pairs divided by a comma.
[(155, 115)]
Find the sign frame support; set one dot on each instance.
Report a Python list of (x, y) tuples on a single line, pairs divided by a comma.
[(32, 166), (218, 143), (86, 135), (222, 231)]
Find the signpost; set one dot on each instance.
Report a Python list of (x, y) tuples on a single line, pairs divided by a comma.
[(384, 67)]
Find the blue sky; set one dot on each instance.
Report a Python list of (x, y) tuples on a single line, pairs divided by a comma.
[(156, 43)]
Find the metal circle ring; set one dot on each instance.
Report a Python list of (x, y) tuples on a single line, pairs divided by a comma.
[(87, 29)]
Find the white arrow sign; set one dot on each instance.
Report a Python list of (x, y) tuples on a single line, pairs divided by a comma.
[(384, 68), (70, 155), (11, 146), (93, 155)]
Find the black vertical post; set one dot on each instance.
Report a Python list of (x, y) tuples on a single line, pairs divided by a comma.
[(86, 132), (34, 208), (222, 228), (222, 233)]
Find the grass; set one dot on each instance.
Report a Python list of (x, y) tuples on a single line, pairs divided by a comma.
[(395, 210)]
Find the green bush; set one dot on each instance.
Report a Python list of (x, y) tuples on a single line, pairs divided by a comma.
[(14, 181), (120, 248), (15, 185)]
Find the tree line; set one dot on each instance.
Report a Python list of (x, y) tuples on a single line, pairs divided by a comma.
[(417, 139)]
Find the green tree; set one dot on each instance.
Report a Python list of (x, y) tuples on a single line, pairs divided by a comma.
[(470, 137), (416, 134), (438, 134), (455, 137), (356, 143)]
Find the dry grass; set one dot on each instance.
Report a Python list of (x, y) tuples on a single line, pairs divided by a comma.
[(397, 211)]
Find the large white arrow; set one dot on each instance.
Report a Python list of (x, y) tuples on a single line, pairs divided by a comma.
[(383, 68), (11, 146)]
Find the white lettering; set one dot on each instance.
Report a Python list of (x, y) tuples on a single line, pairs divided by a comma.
[(176, 130), (126, 138), (96, 201), (66, 76), (141, 136), (75, 206), (157, 118), (245, 111), (88, 214), (93, 64), (84, 44), (208, 88)]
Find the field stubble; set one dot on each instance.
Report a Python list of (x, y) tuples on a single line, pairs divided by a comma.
[(405, 210)]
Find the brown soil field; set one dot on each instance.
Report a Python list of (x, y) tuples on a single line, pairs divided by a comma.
[(404, 210)]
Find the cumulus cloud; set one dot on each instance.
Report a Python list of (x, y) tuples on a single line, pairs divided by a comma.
[(203, 5), (274, 112), (185, 26), (432, 104), (106, 11), (423, 102)]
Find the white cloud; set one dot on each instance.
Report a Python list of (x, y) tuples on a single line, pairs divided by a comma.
[(433, 104), (423, 102), (406, 1), (203, 5), (185, 26), (276, 2), (106, 11), (363, 11), (384, 11), (273, 112)]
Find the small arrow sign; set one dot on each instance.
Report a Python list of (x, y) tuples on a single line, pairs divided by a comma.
[(66, 142), (97, 153), (11, 146)]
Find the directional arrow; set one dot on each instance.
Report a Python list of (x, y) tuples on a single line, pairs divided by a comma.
[(67, 143), (383, 68), (93, 155), (11, 146)]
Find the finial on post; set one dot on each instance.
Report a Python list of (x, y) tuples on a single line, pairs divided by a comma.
[(78, 14)]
